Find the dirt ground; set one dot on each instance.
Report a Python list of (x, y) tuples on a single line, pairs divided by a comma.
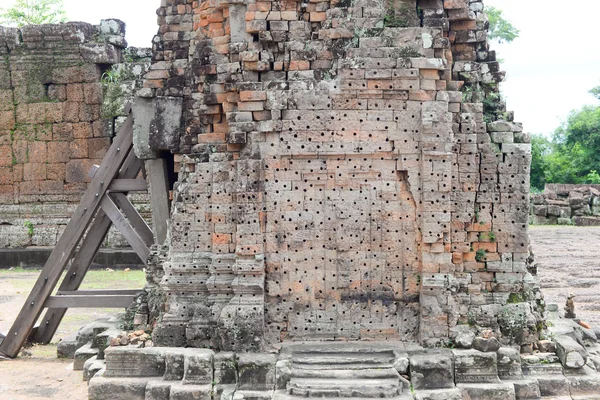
[(568, 259), (37, 373)]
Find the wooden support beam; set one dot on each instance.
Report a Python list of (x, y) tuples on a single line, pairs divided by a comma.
[(136, 220), (128, 185), (121, 223), (83, 259), (100, 301), (158, 181), (68, 242), (101, 292)]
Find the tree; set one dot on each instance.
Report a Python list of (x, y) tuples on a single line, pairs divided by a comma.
[(540, 149), (33, 12), (573, 154), (500, 29), (596, 92)]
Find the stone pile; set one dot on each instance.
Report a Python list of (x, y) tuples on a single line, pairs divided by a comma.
[(566, 205)]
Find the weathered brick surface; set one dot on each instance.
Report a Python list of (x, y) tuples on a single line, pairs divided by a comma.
[(339, 175), (55, 120)]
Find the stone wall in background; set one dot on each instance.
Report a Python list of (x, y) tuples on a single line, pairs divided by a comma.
[(566, 205), (62, 91)]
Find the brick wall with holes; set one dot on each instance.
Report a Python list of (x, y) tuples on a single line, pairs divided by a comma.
[(339, 175)]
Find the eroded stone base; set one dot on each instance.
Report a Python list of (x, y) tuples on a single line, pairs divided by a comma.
[(393, 370)]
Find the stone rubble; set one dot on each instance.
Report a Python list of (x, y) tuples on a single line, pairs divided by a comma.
[(566, 204)]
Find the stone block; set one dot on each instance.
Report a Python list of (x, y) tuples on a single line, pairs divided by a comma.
[(256, 371), (499, 391), (432, 370), (509, 363), (443, 394), (158, 390), (130, 361), (553, 385), (165, 125), (190, 392), (101, 388), (198, 367), (473, 366), (570, 353), (83, 354), (526, 389), (225, 368)]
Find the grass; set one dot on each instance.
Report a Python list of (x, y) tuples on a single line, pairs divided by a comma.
[(93, 279)]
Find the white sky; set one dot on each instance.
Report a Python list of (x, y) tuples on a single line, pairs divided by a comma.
[(550, 68)]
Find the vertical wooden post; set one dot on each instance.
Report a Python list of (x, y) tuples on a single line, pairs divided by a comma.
[(158, 182)]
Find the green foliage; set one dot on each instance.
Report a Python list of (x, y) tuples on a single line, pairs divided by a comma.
[(596, 92), (480, 255), (572, 155), (500, 29), (540, 149), (30, 227), (33, 12)]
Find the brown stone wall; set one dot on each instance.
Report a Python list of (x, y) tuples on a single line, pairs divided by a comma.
[(339, 176), (53, 124)]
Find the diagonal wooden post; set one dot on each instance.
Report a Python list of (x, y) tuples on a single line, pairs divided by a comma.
[(65, 248), (82, 260)]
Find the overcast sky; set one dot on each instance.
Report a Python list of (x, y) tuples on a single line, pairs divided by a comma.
[(550, 68)]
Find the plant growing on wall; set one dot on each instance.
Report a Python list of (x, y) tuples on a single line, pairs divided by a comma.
[(33, 12)]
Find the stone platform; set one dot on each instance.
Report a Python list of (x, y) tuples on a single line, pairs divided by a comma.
[(350, 370)]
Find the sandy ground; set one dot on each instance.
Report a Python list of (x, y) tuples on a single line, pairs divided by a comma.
[(568, 259), (37, 373)]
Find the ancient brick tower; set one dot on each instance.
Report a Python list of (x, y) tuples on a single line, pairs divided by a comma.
[(349, 189), (341, 174)]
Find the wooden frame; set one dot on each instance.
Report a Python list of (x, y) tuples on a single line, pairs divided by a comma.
[(104, 203)]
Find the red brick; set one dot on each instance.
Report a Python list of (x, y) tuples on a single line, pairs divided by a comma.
[(58, 152), (34, 171), (6, 158), (62, 132), (78, 149), (75, 92), (6, 176), (56, 172), (248, 95), (97, 147), (82, 130)]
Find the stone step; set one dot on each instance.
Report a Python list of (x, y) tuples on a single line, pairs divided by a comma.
[(585, 387), (83, 354), (101, 388), (282, 395), (322, 387), (442, 394), (498, 391), (526, 389), (386, 358), (353, 373), (554, 386)]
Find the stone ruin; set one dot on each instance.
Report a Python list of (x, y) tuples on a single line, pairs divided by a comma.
[(350, 215), (63, 89), (566, 205)]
